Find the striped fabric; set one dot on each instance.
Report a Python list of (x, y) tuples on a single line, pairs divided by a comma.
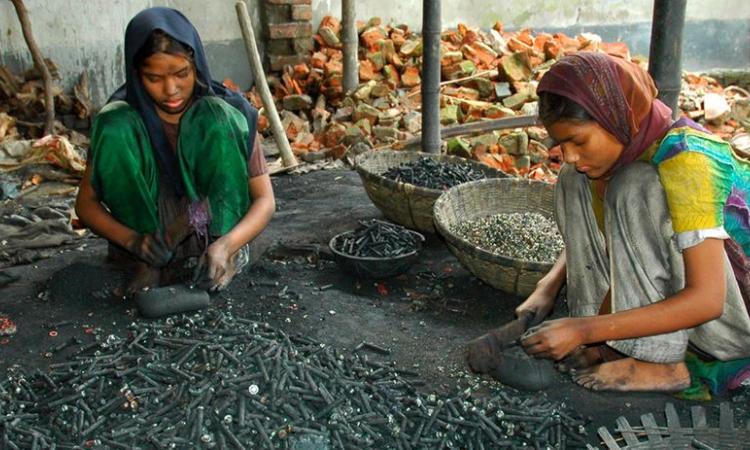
[(706, 184)]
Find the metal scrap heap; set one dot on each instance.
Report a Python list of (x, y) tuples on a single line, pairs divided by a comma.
[(432, 174), (227, 382)]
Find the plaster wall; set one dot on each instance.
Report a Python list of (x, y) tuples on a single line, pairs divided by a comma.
[(88, 35), (537, 14)]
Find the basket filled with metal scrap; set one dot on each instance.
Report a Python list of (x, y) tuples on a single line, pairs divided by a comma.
[(502, 231), (376, 249), (404, 185)]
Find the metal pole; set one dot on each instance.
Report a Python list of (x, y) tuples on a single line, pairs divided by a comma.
[(260, 79), (665, 53), (431, 76), (351, 45)]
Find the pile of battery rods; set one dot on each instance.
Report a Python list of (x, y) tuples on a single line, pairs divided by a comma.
[(217, 381)]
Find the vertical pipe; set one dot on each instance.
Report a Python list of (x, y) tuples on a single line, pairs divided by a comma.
[(351, 45), (431, 25), (665, 52)]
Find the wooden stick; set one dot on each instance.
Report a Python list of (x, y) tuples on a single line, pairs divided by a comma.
[(41, 66), (478, 103), (490, 72), (481, 74), (260, 79), (480, 126)]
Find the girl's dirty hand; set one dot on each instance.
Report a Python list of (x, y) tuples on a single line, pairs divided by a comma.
[(219, 265), (540, 303), (150, 248), (554, 339)]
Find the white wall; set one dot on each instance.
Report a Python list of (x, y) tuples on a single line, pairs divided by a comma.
[(89, 34)]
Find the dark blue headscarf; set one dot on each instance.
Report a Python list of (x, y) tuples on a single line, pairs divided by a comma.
[(177, 26)]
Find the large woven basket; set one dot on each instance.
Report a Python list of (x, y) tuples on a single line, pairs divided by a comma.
[(404, 203), (483, 198)]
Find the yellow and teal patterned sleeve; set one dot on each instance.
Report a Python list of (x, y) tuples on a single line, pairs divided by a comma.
[(697, 187)]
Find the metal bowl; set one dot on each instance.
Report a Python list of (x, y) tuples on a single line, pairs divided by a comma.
[(374, 267)]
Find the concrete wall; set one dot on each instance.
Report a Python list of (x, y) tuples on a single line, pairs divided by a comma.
[(88, 34), (537, 14)]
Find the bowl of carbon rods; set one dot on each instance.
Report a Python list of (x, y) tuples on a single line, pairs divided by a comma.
[(376, 249)]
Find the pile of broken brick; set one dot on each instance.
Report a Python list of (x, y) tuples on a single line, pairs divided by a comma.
[(485, 75)]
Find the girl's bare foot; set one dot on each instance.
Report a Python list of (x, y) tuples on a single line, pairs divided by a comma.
[(586, 357), (629, 374)]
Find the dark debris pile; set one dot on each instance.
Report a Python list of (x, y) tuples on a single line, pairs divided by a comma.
[(218, 381), (430, 173)]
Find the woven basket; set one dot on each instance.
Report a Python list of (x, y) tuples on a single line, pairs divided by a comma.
[(403, 203), (483, 198)]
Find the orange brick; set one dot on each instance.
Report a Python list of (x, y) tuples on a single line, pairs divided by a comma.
[(616, 49), (395, 60), (525, 37), (453, 37), (367, 71), (262, 123), (534, 59), (301, 71), (552, 49), (371, 37), (479, 53), (337, 152), (289, 30), (333, 135), (318, 60), (333, 68), (516, 45), (302, 12), (411, 77), (229, 84), (392, 76), (398, 36), (279, 61), (470, 37), (330, 22), (540, 40), (314, 146), (334, 54), (568, 43)]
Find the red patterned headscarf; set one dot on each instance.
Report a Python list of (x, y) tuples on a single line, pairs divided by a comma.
[(618, 94)]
